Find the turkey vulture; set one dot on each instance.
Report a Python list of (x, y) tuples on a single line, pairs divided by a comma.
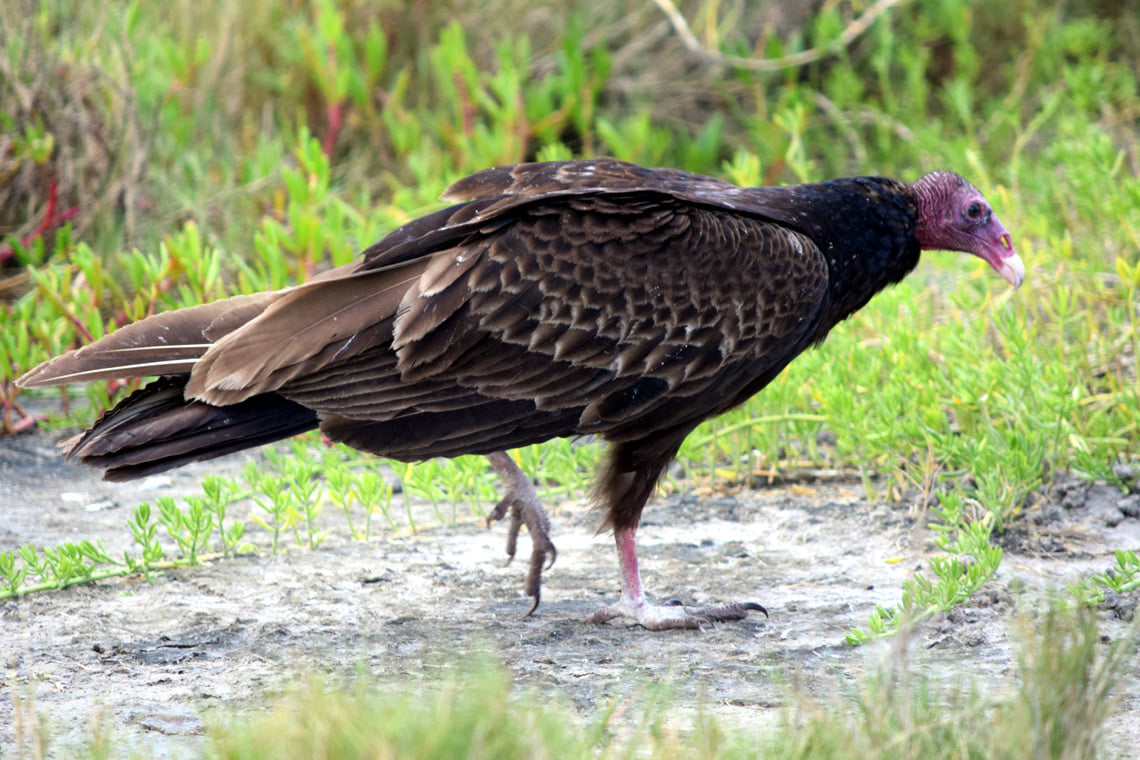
[(552, 299)]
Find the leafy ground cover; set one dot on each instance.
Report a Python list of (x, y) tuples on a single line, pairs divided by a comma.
[(158, 155)]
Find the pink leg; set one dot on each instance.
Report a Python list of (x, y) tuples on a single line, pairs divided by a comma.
[(658, 617), (631, 593)]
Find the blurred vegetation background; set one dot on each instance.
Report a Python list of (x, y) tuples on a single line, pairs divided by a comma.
[(160, 154), (145, 116)]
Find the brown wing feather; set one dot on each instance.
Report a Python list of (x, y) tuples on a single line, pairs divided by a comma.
[(302, 331), (586, 296), (591, 313), (164, 344), (493, 191), (496, 197)]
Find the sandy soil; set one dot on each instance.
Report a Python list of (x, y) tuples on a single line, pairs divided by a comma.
[(151, 659)]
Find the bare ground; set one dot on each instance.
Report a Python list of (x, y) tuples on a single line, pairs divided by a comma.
[(150, 660)]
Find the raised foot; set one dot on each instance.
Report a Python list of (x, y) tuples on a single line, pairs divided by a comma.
[(664, 617), (538, 525), (521, 502)]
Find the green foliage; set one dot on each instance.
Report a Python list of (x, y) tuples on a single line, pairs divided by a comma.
[(1058, 709), (476, 717), (1122, 578), (973, 560)]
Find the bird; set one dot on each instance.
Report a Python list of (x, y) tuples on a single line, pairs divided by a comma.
[(584, 298)]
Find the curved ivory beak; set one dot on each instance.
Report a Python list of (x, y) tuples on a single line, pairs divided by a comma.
[(1000, 255)]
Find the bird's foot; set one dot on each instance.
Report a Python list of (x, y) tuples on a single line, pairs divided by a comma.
[(537, 524), (521, 501), (672, 614)]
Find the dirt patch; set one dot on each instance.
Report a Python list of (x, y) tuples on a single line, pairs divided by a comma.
[(151, 659)]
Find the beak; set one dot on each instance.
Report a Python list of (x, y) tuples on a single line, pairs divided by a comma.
[(998, 252)]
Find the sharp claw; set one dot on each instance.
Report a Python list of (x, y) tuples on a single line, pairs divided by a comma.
[(601, 616), (534, 577), (521, 501), (666, 616), (499, 511), (534, 606), (755, 606)]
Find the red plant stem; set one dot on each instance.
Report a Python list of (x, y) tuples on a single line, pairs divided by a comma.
[(53, 197), (28, 422), (80, 327), (67, 213), (51, 219), (335, 113), (7, 406)]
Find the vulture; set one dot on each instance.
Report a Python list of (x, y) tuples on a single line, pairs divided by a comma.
[(570, 298)]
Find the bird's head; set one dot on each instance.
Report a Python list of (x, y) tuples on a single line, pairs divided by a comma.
[(954, 216)]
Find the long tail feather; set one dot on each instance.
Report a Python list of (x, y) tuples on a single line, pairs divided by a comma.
[(156, 429), (164, 344)]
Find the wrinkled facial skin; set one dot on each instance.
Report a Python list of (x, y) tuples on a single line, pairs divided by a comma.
[(989, 239), (954, 216)]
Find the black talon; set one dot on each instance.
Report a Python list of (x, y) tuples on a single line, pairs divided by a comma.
[(521, 501), (755, 606), (533, 607)]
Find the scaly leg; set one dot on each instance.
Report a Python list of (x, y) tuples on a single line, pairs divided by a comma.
[(521, 500), (659, 617)]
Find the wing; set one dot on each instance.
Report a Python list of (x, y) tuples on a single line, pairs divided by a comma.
[(585, 314), (577, 297), (348, 311), (572, 298), (496, 196)]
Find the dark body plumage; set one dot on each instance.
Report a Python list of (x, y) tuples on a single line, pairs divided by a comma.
[(559, 299)]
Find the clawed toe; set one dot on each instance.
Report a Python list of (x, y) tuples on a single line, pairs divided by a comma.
[(634, 606), (542, 555), (673, 614), (521, 502)]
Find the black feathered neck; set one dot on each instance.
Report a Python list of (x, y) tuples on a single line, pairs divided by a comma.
[(865, 227)]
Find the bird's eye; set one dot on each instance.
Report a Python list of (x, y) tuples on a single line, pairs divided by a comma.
[(974, 210)]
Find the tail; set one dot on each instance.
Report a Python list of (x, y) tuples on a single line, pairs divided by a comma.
[(157, 429)]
